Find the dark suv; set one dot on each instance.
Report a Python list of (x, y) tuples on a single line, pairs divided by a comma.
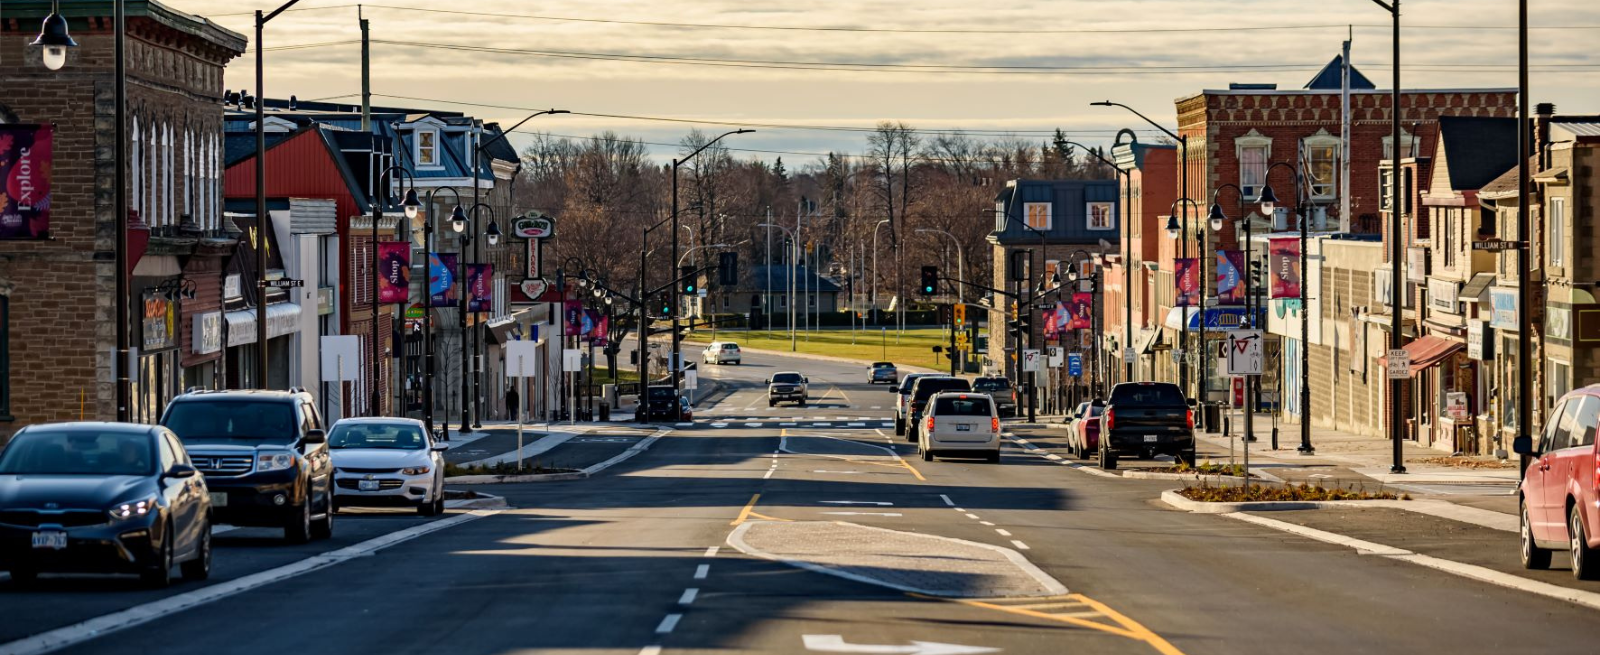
[(999, 388), (1146, 419), (264, 455), (921, 391)]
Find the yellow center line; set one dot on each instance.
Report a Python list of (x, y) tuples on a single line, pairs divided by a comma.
[(745, 513), (913, 470), (1129, 628), (1092, 625), (1142, 633)]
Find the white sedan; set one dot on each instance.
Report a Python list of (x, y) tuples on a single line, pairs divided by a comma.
[(386, 462)]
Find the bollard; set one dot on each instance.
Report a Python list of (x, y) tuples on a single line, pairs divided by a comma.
[(1274, 437), (605, 415)]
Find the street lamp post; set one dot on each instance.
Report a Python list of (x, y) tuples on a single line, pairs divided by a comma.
[(642, 349), (1025, 304), (1127, 274), (411, 206), (675, 362), (1183, 192), (874, 289), (1268, 201), (427, 292), (1396, 233), (794, 246), (1182, 234), (1218, 219), (1075, 261), (461, 224), (263, 222), (477, 163)]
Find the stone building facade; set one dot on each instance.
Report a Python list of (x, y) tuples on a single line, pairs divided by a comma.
[(59, 310)]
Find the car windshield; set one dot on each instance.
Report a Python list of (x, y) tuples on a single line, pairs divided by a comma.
[(660, 393), (730, 346), (929, 386), (349, 434), (991, 384), (786, 378), (1165, 395), (882, 365), (79, 452), (961, 406), (244, 420)]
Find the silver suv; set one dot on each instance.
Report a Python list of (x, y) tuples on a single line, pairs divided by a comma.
[(786, 386)]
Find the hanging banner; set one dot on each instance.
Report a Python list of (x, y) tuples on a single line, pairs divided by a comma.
[(25, 165), (1082, 310), (600, 328), (1186, 271), (576, 319), (1283, 266), (394, 271), (1055, 320), (442, 288), (480, 287), (1230, 277)]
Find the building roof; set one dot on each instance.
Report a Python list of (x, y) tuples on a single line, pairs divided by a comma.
[(1504, 186), (1330, 77), (244, 142), (1477, 149), (780, 280), (1131, 155), (1563, 128)]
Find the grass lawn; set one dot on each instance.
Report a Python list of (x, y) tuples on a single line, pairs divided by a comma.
[(914, 347), (602, 375)]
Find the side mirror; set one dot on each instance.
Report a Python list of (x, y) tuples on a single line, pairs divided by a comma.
[(769, 381), (182, 471), (440, 447), (315, 437), (1523, 446)]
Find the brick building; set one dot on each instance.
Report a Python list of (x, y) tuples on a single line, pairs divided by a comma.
[(1149, 189), (56, 290), (1236, 134)]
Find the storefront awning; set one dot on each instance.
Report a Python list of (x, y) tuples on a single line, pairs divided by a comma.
[(1473, 291), (1217, 318), (1427, 351), (1147, 340), (282, 318), (509, 328)]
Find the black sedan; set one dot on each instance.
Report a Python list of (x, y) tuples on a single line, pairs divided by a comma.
[(102, 498)]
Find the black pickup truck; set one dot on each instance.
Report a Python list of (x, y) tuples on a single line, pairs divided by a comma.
[(1146, 419)]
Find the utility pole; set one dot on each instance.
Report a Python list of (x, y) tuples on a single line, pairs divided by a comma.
[(366, 75)]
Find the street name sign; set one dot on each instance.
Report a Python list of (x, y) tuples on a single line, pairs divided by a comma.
[(284, 283), (1497, 245)]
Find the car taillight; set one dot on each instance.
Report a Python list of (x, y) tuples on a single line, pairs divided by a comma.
[(930, 424), (994, 424), (1188, 417), (1111, 419), (1013, 396)]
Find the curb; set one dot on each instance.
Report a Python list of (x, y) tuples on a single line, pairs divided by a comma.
[(483, 501), (1132, 474), (580, 474), (1482, 518)]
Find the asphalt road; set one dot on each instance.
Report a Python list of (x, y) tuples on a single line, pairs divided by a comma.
[(638, 560)]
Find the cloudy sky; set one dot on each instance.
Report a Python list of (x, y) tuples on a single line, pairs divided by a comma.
[(1018, 66)]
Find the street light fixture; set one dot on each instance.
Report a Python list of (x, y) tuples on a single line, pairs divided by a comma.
[(493, 232), (677, 338), (411, 207), (1268, 202), (54, 39)]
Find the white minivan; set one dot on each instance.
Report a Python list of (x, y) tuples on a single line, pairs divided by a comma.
[(721, 352), (960, 424)]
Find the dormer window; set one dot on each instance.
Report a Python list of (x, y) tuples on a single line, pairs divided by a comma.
[(427, 146)]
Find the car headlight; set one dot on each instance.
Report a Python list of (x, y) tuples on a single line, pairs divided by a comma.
[(415, 470), (274, 462), (132, 510)]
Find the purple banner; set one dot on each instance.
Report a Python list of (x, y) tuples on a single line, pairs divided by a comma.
[(1055, 320), (1284, 267), (1082, 309), (1230, 277), (442, 287), (480, 287), (25, 164), (1186, 272), (394, 271)]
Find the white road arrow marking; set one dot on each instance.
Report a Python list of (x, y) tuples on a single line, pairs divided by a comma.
[(879, 503), (837, 644)]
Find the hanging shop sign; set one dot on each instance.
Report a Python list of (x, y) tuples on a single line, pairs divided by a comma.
[(533, 226), (207, 333), (158, 324)]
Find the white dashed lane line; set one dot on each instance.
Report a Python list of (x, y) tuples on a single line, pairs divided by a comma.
[(668, 624), (700, 572), (688, 596), (1003, 533), (712, 551), (1019, 545)]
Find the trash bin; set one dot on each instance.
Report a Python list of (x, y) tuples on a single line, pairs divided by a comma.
[(605, 412), (1213, 418)]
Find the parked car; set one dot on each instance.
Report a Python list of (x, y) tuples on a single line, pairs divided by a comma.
[(685, 410), (265, 457), (921, 391), (960, 424), (902, 397), (661, 402), (884, 372), (721, 352), (387, 462), (102, 498), (1146, 419), (1001, 390), (1560, 492), (787, 386), (1083, 433)]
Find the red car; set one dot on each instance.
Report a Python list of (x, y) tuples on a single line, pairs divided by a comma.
[(1560, 492), (1083, 434)]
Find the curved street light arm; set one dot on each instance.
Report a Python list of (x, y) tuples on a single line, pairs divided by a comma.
[(1108, 103)]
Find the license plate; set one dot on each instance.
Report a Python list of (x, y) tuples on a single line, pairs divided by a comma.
[(50, 539), (963, 428), (219, 499), (1150, 438), (367, 485)]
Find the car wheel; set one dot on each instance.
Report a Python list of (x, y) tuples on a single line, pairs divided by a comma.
[(899, 426), (927, 455), (323, 528), (994, 457), (160, 575), (1108, 459), (772, 403), (1583, 565), (1185, 457), (199, 568), (1533, 557), (298, 527)]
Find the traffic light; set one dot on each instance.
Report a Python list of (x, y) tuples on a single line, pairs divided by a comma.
[(666, 305), (728, 269), (1257, 274), (1013, 310), (930, 280), (945, 316), (686, 278), (961, 315)]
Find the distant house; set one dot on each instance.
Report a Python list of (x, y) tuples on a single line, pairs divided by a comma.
[(764, 287)]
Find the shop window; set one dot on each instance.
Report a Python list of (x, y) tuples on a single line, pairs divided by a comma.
[(1558, 230)]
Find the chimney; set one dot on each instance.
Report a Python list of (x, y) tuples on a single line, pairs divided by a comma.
[(1542, 113)]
